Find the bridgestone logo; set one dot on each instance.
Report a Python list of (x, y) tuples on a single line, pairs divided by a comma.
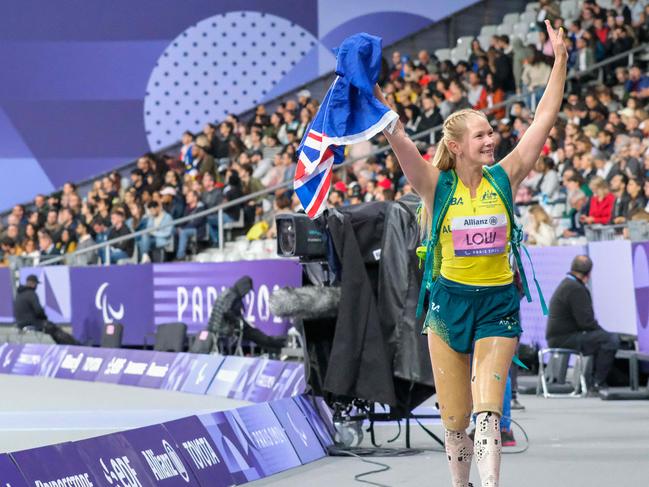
[(81, 480)]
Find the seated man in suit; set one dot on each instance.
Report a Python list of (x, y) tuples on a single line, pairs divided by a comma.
[(572, 323)]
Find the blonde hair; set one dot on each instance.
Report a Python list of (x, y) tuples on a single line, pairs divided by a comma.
[(598, 183), (540, 216), (453, 129)]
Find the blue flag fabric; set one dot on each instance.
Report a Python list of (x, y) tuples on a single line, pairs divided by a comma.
[(349, 113)]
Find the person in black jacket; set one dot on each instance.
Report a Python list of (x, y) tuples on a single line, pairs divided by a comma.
[(572, 323), (29, 312), (27, 308)]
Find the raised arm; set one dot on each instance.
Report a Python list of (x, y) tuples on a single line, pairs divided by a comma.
[(521, 160), (421, 174)]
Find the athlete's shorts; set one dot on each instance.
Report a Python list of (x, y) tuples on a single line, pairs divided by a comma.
[(462, 314)]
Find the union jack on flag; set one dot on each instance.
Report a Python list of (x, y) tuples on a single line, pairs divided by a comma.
[(315, 166), (348, 114)]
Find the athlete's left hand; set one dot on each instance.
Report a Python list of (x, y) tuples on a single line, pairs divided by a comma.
[(557, 38)]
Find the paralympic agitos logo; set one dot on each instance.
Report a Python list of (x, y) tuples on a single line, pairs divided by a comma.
[(109, 314)]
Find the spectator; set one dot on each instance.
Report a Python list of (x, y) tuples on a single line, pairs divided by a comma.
[(336, 199), (9, 249), (548, 9), (119, 250), (186, 155), (584, 59), (636, 199), (572, 323), (475, 90), (600, 204), (540, 228), (211, 195), (172, 202), (203, 160), (547, 182), (30, 251), (491, 95), (637, 85), (430, 116), (85, 241), (46, 246), (68, 242), (52, 225), (67, 221), (137, 184), (535, 76), (152, 245), (193, 228)]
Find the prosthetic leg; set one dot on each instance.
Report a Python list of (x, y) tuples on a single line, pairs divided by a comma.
[(491, 361), (451, 371)]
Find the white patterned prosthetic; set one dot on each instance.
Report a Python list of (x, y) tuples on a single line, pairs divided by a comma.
[(488, 448), (459, 449)]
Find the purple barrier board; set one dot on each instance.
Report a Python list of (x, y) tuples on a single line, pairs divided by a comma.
[(204, 369), (81, 363), (265, 381), (54, 465), (641, 288), (71, 363), (245, 381), (10, 476), (137, 363), (159, 369), (227, 374), (178, 372), (291, 383), (200, 452), (29, 359), (319, 417), (52, 360), (233, 448), (264, 438), (551, 265), (161, 455), (6, 296), (298, 429), (9, 353), (114, 294), (113, 367), (185, 292), (114, 462)]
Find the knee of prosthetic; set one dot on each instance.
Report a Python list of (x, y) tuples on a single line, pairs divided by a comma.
[(456, 417)]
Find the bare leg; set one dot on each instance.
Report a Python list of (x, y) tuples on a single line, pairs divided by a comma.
[(491, 361), (451, 371)]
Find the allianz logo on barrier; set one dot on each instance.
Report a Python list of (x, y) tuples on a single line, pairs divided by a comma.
[(109, 314), (166, 465)]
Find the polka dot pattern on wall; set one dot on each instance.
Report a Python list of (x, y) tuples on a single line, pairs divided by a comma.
[(224, 64)]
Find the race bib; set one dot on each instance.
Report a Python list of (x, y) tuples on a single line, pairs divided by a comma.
[(479, 235)]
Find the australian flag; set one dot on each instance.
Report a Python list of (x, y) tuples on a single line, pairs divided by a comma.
[(348, 114)]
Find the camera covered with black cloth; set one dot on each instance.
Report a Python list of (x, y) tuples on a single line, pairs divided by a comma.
[(363, 339)]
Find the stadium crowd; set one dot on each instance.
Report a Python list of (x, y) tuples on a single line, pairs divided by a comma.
[(594, 168)]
